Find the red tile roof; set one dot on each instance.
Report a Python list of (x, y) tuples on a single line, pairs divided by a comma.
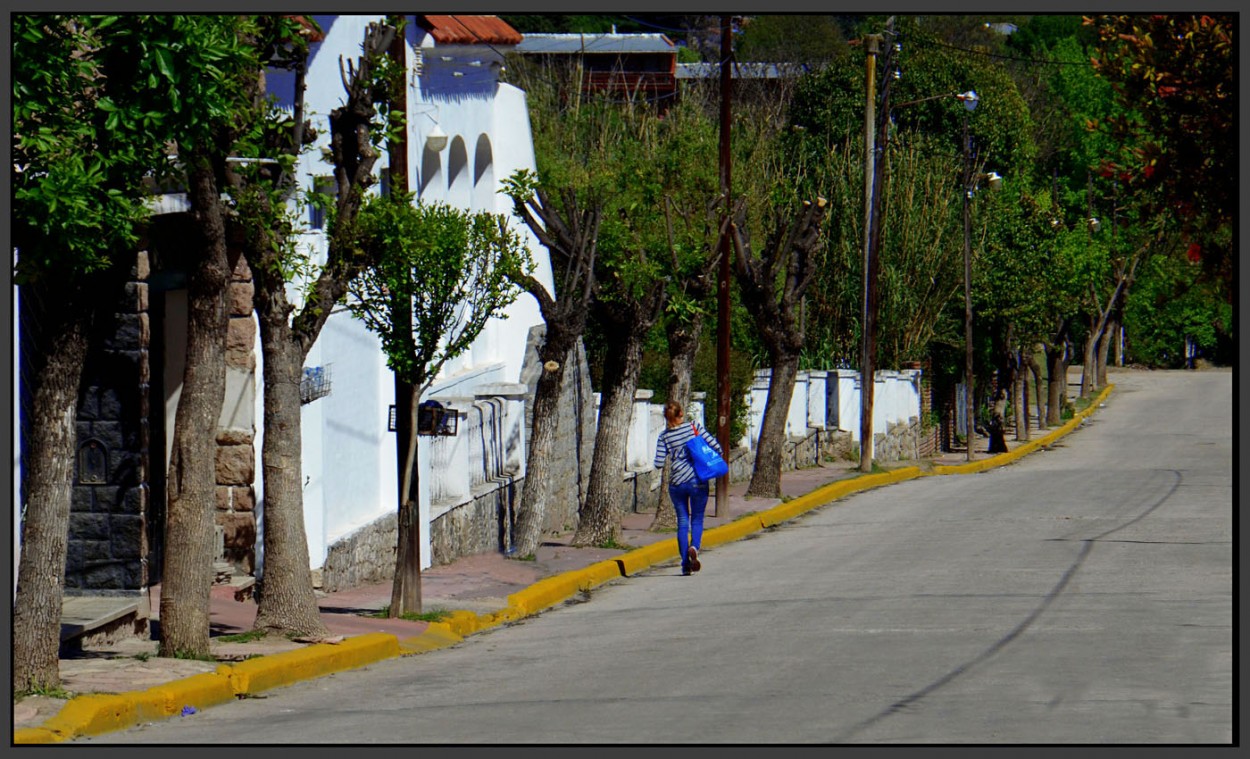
[(308, 28), (469, 30)]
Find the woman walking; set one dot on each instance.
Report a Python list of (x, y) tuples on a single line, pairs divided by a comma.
[(689, 495)]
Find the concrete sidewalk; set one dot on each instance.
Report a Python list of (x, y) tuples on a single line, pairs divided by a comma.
[(479, 591)]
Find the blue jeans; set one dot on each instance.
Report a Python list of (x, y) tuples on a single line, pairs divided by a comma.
[(690, 501)]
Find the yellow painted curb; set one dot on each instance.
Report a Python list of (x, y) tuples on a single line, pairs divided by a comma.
[(833, 491), (544, 593), (288, 667), (599, 573), (437, 635), (200, 691), (31, 736), (1028, 446), (92, 714), (461, 622), (637, 560), (735, 530), (510, 613)]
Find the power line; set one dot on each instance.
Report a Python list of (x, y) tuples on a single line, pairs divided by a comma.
[(661, 27), (1009, 57)]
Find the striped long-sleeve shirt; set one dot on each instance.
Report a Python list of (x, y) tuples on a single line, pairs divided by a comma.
[(672, 442)]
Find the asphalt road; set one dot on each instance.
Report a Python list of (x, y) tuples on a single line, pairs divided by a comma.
[(1081, 596)]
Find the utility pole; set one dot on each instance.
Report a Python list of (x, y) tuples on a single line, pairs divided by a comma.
[(967, 193), (866, 375), (722, 288)]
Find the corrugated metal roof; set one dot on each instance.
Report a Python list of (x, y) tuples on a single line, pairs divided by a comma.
[(596, 43), (744, 70), (469, 30)]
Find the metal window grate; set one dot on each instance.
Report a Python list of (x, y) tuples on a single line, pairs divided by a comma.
[(315, 383)]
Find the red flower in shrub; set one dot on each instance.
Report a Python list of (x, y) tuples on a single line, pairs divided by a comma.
[(1195, 252)]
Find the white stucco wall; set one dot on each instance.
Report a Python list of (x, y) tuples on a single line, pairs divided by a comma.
[(349, 457)]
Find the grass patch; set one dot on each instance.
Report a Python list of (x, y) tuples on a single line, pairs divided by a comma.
[(55, 691), (437, 614), (526, 557), (192, 656), (143, 656), (613, 544), (243, 637)]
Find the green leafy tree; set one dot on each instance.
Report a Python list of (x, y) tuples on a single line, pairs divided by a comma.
[(1173, 75), (98, 101), (810, 40), (457, 270), (208, 73), (659, 255), (1172, 305), (77, 172)]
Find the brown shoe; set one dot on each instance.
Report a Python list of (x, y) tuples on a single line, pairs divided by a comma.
[(692, 558)]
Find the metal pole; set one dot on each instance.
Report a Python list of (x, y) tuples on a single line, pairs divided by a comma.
[(722, 288), (865, 360), (967, 193)]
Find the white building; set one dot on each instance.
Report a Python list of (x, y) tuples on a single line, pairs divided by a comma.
[(350, 458)]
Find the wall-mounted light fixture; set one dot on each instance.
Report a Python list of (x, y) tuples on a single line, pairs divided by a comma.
[(436, 138)]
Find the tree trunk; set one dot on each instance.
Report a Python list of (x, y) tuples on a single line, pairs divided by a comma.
[(1104, 349), (1089, 357), (192, 480), (536, 492), (56, 353), (1036, 369), (683, 345), (406, 583), (1057, 383), (1020, 397), (600, 519), (287, 602), (766, 475)]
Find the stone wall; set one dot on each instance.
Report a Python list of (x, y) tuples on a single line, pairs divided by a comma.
[(365, 556), (484, 523), (107, 545), (236, 454), (575, 432), (480, 526), (368, 555)]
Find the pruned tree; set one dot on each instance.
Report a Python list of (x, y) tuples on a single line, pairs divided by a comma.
[(564, 205), (664, 175), (287, 603), (570, 232), (457, 270), (773, 282)]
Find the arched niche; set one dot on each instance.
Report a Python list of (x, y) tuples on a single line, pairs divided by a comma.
[(459, 185), (483, 175)]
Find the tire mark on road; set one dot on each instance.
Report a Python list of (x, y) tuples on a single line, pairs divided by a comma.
[(1088, 545)]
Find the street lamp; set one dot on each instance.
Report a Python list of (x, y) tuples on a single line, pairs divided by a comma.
[(436, 138), (872, 226), (970, 180)]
